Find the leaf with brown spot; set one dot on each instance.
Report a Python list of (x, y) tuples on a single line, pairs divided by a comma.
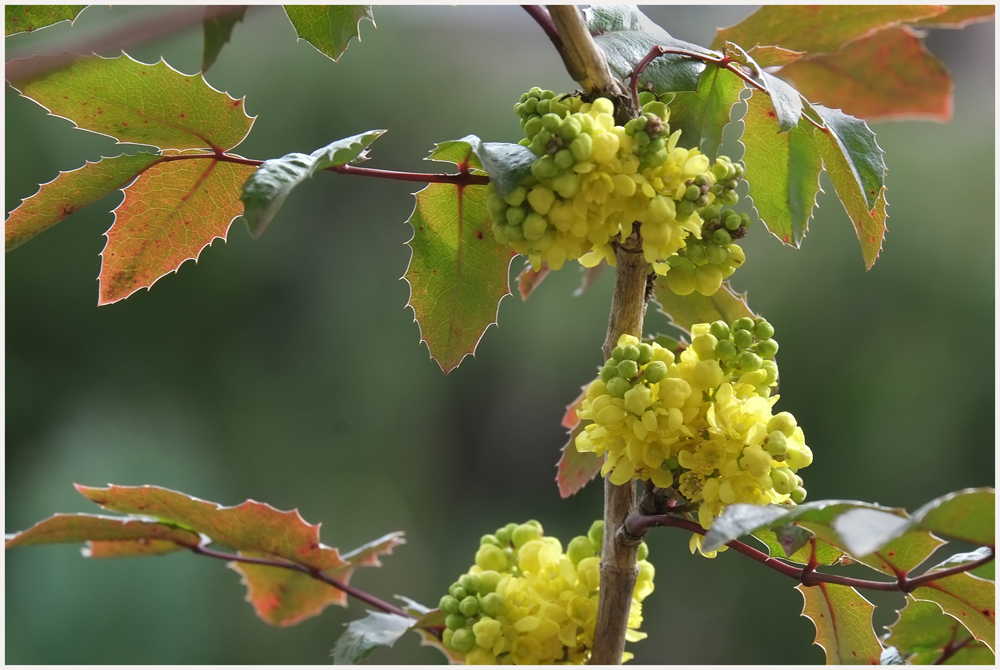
[(924, 633), (969, 599), (843, 620), (29, 18), (170, 213), (888, 75)]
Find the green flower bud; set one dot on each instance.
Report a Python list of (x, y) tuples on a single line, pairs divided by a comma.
[(645, 353), (448, 605), (642, 138), (469, 606), (547, 95), (746, 323), (454, 621), (692, 193), (490, 557), (492, 605), (743, 338), (729, 184), (720, 170), (596, 535), (534, 226), (744, 219), (618, 387), (685, 208), (488, 580), (464, 639), (696, 254), (704, 346), (531, 105), (655, 372), (782, 421), (798, 495), (720, 329), (725, 350), (533, 126), (798, 457), (656, 145), (782, 480), (551, 122), (564, 159), (489, 539), (618, 354), (516, 197), (537, 524), (733, 221), (738, 170), (763, 330), (717, 255), (646, 97), (630, 352), (767, 348), (776, 444), (523, 534), (643, 552), (579, 548), (772, 372), (656, 108), (582, 147), (628, 369), (569, 129), (729, 198), (608, 372), (749, 361), (446, 637), (671, 463), (471, 585), (544, 107), (515, 216), (722, 237), (457, 590)]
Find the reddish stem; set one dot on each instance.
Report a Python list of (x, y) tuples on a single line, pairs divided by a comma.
[(952, 649)]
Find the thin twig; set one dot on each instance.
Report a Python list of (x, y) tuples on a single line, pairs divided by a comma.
[(952, 649)]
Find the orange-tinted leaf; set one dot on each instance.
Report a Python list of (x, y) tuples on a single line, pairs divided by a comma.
[(69, 192), (87, 527), (771, 56), (819, 28), (140, 103), (843, 620), (888, 75), (929, 634), (529, 279), (958, 16), (170, 213), (969, 599), (129, 548), (575, 469)]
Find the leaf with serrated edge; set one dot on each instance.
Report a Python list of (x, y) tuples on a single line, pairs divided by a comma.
[(62, 528), (457, 272), (925, 631), (701, 116), (29, 18), (218, 25), (772, 56), (969, 514), (859, 150), (785, 100), (986, 571), (69, 192), (826, 554), (843, 620), (169, 214), (140, 103), (969, 599), (329, 28), (890, 75), (363, 636), (625, 35), (782, 170), (958, 16), (686, 310), (529, 279), (265, 191), (819, 28), (506, 164)]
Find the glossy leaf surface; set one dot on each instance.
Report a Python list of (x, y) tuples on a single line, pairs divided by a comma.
[(329, 28), (702, 115), (843, 620)]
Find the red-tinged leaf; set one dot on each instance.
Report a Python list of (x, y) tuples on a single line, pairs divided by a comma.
[(529, 279), (843, 620), (140, 103), (782, 170), (958, 16), (589, 276), (28, 18), (686, 310), (329, 28), (457, 273), (702, 115), (69, 192), (575, 469), (219, 23), (62, 528), (924, 633), (968, 515), (969, 599), (129, 548), (570, 418), (284, 597), (888, 75), (772, 56), (819, 28), (170, 213)]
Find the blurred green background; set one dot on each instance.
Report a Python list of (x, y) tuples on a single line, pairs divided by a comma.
[(288, 370)]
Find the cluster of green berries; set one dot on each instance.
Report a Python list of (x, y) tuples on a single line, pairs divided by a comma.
[(745, 351)]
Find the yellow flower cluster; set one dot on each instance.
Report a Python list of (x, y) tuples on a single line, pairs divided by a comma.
[(540, 607), (701, 424)]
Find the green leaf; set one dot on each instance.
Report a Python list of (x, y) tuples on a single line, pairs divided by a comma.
[(969, 599), (329, 28), (265, 191), (106, 530), (889, 75), (785, 100), (457, 272), (686, 310), (968, 515), (506, 164), (958, 16), (219, 24), (826, 554), (529, 279), (924, 633), (987, 571), (702, 115), (28, 18), (69, 192), (170, 213), (625, 36), (140, 103), (740, 519), (843, 620), (771, 56), (866, 530), (363, 636), (782, 170), (818, 28)]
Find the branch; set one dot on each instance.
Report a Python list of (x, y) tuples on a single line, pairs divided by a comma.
[(312, 572), (544, 19), (638, 524), (953, 649)]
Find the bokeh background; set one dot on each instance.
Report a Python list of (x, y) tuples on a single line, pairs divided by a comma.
[(288, 370)]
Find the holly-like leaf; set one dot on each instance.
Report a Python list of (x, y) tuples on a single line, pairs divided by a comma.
[(625, 36), (969, 599), (329, 28), (529, 279), (170, 213), (958, 16), (782, 170), (986, 571), (69, 192), (702, 115), (686, 310), (968, 515), (219, 23), (819, 28), (924, 633), (889, 75), (28, 18), (506, 164), (772, 56), (785, 100), (62, 528), (843, 620), (265, 191), (575, 469), (129, 548), (363, 636), (457, 273), (825, 554), (140, 103)]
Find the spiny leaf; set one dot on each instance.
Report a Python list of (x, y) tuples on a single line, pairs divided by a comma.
[(529, 279), (786, 101), (686, 310), (69, 192), (506, 164), (782, 170), (772, 56), (825, 554), (925, 633), (329, 28), (363, 636), (219, 23), (457, 271), (958, 16), (987, 571), (843, 620), (140, 103), (266, 189), (170, 213), (969, 599), (625, 35), (889, 75), (818, 28), (62, 528), (968, 515), (28, 18), (702, 115)]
